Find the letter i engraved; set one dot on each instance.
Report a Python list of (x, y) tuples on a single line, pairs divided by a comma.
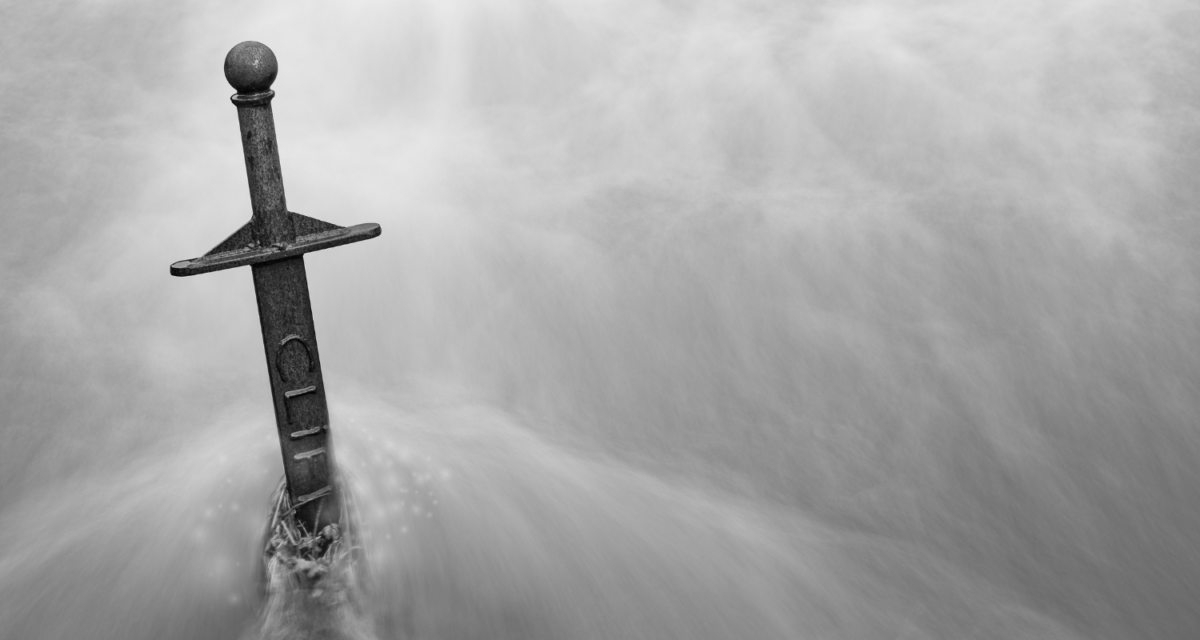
[(273, 245)]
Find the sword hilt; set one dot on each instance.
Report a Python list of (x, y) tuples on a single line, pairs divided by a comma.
[(273, 233)]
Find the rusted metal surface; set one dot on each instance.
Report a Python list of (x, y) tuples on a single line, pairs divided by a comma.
[(273, 244)]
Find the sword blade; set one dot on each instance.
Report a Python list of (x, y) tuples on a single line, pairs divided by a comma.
[(298, 389)]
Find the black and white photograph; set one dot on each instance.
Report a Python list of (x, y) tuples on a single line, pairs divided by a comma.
[(639, 320)]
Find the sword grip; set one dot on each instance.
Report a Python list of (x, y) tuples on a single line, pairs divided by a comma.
[(251, 68)]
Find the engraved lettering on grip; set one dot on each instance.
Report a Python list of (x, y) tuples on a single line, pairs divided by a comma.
[(289, 395), (282, 368), (303, 433), (293, 338), (308, 456)]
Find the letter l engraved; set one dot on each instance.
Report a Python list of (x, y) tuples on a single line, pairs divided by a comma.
[(288, 395)]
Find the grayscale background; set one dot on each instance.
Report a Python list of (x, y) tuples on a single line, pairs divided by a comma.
[(698, 320)]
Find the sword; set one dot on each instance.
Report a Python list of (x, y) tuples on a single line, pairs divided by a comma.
[(273, 243)]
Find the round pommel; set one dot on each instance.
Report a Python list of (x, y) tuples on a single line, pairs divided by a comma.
[(251, 67)]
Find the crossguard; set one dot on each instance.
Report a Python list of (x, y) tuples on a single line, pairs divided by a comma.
[(241, 248)]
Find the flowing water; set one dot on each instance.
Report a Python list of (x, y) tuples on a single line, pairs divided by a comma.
[(756, 319)]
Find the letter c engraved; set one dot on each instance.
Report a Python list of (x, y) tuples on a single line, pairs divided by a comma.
[(312, 366)]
